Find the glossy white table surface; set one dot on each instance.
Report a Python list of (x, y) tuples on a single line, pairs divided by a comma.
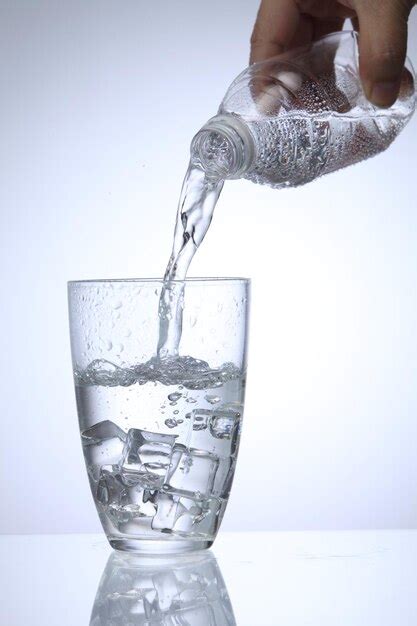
[(273, 579)]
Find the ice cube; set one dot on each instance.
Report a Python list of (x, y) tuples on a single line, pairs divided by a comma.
[(184, 515), (136, 497), (121, 514), (101, 432), (103, 443), (201, 418), (168, 509), (192, 475), (121, 501), (208, 522), (215, 430), (147, 456), (149, 495), (94, 471), (199, 615), (224, 423), (191, 513), (223, 478), (110, 488), (139, 526)]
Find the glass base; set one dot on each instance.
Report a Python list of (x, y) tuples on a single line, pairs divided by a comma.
[(157, 547)]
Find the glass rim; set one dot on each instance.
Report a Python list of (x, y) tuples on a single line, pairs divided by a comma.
[(160, 281)]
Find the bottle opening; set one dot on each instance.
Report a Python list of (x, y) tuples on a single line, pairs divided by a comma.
[(223, 147)]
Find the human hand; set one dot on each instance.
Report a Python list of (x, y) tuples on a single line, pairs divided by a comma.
[(286, 24)]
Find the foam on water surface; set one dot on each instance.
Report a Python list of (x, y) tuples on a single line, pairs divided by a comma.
[(187, 371)]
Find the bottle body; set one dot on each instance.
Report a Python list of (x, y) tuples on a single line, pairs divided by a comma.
[(298, 149), (301, 115)]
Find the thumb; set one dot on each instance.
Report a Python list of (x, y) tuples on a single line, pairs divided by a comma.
[(382, 47)]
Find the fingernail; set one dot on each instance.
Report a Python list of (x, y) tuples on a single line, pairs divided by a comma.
[(384, 94)]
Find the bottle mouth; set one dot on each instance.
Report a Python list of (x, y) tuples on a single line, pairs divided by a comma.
[(224, 147)]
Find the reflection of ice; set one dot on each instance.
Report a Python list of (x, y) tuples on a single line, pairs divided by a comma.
[(162, 591)]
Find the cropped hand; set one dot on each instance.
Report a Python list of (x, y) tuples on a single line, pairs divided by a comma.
[(285, 24)]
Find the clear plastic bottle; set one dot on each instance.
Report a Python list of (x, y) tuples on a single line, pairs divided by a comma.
[(298, 116)]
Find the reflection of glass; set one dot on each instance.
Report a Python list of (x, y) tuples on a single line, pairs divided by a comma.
[(186, 590)]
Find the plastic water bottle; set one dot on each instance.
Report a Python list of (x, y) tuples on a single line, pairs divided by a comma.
[(298, 116)]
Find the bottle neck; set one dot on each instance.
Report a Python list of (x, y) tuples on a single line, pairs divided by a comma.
[(224, 147)]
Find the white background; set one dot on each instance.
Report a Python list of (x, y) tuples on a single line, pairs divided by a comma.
[(99, 101)]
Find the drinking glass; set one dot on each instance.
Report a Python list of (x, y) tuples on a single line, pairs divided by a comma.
[(160, 433)]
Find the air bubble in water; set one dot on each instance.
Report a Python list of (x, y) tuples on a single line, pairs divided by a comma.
[(212, 399), (173, 397)]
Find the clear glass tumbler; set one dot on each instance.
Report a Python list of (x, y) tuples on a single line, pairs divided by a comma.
[(160, 434)]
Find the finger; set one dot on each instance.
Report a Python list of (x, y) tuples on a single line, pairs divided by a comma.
[(355, 23), (326, 9), (382, 48), (275, 27), (325, 27)]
